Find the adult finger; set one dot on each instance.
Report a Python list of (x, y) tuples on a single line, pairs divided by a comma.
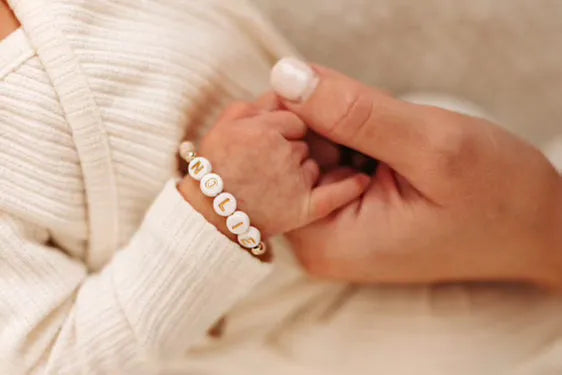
[(350, 113)]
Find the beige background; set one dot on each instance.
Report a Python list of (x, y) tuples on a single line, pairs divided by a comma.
[(504, 55)]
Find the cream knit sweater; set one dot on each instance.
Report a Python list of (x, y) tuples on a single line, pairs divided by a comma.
[(105, 269), (94, 98)]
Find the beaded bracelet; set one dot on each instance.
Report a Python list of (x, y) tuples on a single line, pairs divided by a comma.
[(224, 204)]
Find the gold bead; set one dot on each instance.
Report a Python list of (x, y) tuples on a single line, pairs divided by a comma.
[(187, 151), (260, 249)]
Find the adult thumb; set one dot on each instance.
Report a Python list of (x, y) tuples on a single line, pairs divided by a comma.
[(352, 114)]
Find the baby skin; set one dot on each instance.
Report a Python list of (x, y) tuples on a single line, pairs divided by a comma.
[(265, 163)]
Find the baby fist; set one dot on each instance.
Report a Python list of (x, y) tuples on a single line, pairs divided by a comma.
[(264, 162)]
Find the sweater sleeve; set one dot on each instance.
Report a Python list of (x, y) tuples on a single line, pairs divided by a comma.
[(155, 298)]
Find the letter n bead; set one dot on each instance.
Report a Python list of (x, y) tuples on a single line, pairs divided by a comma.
[(199, 167), (250, 239), (224, 204)]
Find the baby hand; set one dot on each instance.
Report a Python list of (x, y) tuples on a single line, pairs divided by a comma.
[(264, 162)]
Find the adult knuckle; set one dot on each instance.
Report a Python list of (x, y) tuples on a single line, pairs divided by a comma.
[(448, 154), (355, 114), (454, 148)]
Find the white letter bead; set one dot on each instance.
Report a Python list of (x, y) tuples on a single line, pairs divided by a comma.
[(250, 239), (224, 204), (211, 185), (199, 167), (238, 222)]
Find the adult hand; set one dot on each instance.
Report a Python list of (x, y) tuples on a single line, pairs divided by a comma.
[(456, 198)]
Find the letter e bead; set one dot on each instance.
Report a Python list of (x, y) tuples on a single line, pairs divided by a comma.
[(250, 239)]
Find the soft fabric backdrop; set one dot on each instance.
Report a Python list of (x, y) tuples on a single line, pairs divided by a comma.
[(504, 55)]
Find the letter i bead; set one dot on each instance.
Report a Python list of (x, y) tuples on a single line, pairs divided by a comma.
[(238, 222), (250, 239)]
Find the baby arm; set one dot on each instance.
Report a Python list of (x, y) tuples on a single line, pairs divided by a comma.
[(177, 275)]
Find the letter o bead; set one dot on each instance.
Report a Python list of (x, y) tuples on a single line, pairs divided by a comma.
[(199, 167), (224, 204), (211, 185), (250, 239), (238, 222)]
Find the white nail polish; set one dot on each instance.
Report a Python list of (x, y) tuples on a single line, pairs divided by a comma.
[(293, 79)]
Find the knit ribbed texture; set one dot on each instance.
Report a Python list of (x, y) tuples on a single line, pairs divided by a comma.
[(84, 121), (155, 71), (94, 100)]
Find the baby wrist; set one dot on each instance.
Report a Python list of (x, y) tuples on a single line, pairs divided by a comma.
[(224, 204)]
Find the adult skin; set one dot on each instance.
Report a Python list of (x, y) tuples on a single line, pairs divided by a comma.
[(457, 198)]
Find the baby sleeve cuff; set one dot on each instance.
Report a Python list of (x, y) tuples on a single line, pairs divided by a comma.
[(179, 274)]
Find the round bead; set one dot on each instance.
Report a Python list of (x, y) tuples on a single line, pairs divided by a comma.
[(190, 156), (259, 250), (211, 185), (199, 167), (224, 204), (250, 239), (187, 151), (238, 222)]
